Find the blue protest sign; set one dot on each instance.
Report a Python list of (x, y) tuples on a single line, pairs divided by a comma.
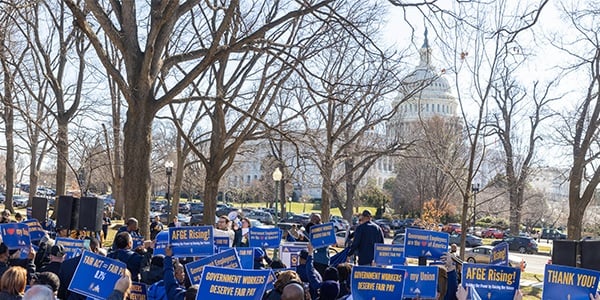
[(225, 259), (95, 275), (246, 256), (490, 282), (265, 237), (221, 241), (36, 232), (232, 284), (421, 282), (137, 241), (162, 241), (499, 255), (72, 247), (389, 255), (425, 243), (562, 282), (138, 291), (322, 235), (191, 241), (16, 236), (372, 283)]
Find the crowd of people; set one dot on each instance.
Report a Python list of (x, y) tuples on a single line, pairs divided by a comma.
[(48, 273)]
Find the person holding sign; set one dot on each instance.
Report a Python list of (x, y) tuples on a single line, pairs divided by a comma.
[(321, 256), (134, 260), (367, 234), (174, 290)]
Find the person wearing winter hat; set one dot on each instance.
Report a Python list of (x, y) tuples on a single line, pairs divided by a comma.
[(329, 290)]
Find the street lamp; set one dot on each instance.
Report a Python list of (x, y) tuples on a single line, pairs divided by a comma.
[(277, 175), (475, 190), (169, 172)]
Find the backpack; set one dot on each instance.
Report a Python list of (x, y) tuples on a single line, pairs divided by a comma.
[(157, 291)]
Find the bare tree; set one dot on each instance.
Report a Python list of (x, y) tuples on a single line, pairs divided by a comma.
[(582, 135), (157, 46)]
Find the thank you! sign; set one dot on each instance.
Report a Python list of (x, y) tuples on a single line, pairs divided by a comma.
[(372, 283), (191, 241), (390, 255), (73, 247), (265, 237), (490, 282), (561, 282), (421, 282), (232, 284), (96, 275), (499, 255), (322, 235), (425, 243), (16, 236), (225, 259)]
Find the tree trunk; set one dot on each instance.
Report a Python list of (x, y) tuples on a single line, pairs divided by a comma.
[(62, 148), (211, 189), (575, 220), (464, 223), (10, 144), (177, 186), (137, 147)]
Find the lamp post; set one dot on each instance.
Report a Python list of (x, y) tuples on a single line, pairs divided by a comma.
[(475, 190), (169, 172), (277, 175)]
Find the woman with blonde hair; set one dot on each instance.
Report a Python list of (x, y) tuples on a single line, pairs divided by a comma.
[(12, 283)]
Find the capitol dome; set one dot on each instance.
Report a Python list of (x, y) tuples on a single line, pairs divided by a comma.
[(428, 91)]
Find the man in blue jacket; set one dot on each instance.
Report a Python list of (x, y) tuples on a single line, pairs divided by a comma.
[(367, 234)]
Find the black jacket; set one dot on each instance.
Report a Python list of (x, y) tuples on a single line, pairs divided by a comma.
[(134, 261), (365, 237)]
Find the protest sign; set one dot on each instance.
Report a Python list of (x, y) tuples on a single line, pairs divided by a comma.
[(499, 255), (72, 247), (372, 283), (246, 256), (232, 284), (96, 275), (425, 243), (137, 241), (221, 241), (36, 232), (16, 237), (289, 253), (490, 282), (138, 291), (225, 259), (322, 235), (561, 282), (191, 241), (421, 282), (162, 241), (389, 255), (265, 237)]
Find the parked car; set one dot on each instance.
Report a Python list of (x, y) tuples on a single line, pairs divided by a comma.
[(196, 208), (471, 240), (224, 211), (481, 255), (156, 205), (398, 239), (184, 219), (339, 223), (262, 216), (552, 234), (519, 243), (387, 231), (340, 239), (452, 228), (2, 197), (20, 201), (298, 219), (494, 233)]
